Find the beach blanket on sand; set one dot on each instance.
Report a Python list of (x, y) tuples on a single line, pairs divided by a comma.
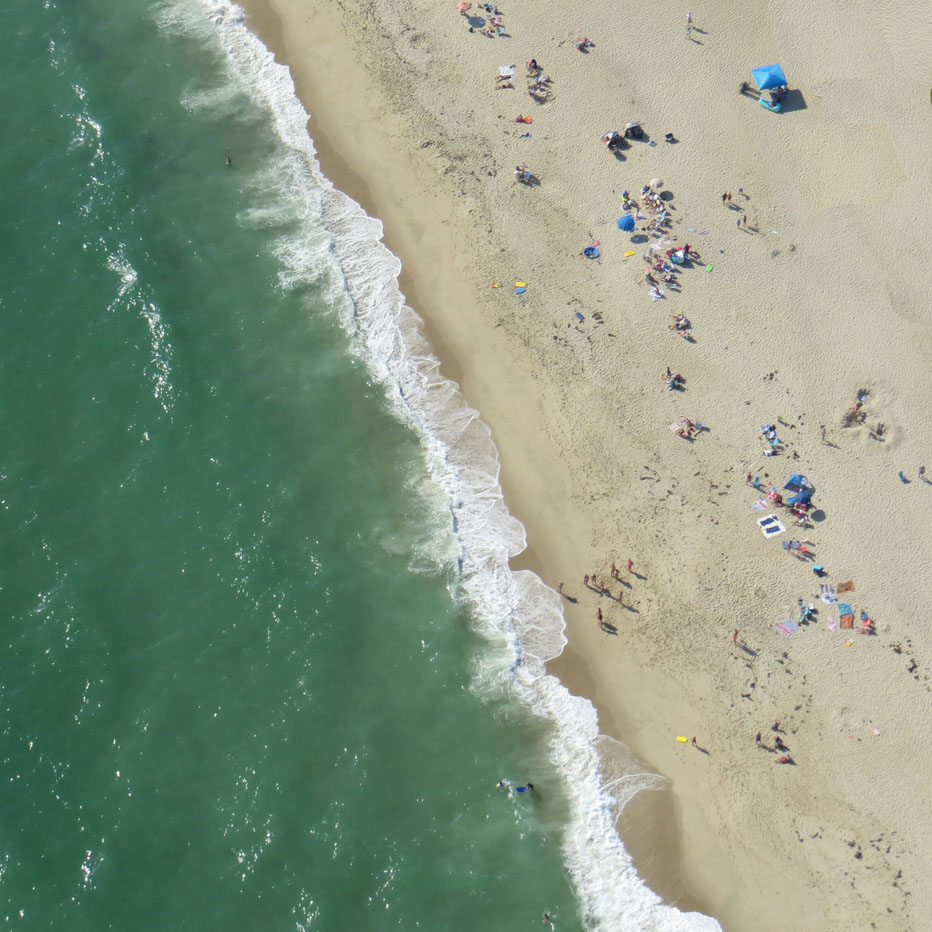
[(787, 627), (831, 624), (828, 593), (847, 615), (847, 586), (770, 525)]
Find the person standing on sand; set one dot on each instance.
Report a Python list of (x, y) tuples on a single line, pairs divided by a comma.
[(629, 565), (734, 637), (585, 580), (757, 739), (598, 616), (615, 568), (922, 473), (560, 588)]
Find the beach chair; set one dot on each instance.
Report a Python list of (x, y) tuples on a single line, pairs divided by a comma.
[(846, 614)]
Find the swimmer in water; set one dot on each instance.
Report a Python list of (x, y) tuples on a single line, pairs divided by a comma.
[(229, 161)]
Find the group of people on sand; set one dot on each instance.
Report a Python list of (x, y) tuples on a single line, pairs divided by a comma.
[(689, 431), (778, 745), (602, 588), (494, 24), (539, 84), (523, 173)]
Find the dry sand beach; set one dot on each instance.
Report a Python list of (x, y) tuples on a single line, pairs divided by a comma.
[(825, 292)]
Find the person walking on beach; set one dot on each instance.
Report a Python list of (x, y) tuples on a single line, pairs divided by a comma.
[(629, 565), (585, 580), (615, 568), (560, 588), (734, 637), (757, 739), (598, 616), (922, 473)]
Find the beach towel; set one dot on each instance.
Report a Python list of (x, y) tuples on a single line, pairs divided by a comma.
[(791, 626), (770, 525), (847, 615), (507, 71), (782, 628), (759, 505), (828, 593), (831, 624), (847, 586)]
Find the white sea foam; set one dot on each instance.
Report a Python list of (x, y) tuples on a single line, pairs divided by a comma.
[(158, 369), (512, 606)]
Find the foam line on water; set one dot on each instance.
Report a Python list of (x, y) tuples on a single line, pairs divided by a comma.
[(512, 606)]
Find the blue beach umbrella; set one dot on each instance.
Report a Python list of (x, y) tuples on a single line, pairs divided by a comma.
[(626, 223), (769, 76)]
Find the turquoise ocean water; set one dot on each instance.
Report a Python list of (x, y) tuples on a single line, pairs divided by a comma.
[(263, 660)]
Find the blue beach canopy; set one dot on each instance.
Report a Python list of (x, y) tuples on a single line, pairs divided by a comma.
[(802, 497), (626, 223), (797, 482), (769, 76)]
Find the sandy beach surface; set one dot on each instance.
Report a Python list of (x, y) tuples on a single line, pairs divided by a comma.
[(822, 292)]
